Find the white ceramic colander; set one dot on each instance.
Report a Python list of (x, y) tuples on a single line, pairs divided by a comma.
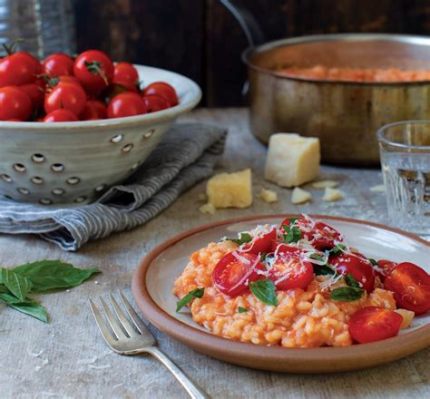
[(75, 162)]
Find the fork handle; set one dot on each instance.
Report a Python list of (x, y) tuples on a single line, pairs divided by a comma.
[(192, 388)]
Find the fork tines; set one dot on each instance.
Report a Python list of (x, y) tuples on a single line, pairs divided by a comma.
[(120, 324)]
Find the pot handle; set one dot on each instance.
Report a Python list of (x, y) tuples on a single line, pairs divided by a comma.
[(247, 22)]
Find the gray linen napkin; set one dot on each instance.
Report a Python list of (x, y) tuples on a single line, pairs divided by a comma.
[(186, 155)]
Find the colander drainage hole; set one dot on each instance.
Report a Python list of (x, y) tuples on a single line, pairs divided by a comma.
[(19, 167), (38, 158)]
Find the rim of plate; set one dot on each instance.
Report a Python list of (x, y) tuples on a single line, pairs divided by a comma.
[(386, 350), (191, 98)]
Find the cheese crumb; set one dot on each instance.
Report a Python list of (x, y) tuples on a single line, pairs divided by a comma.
[(332, 194), (299, 196), (268, 195), (325, 184), (230, 190), (380, 188), (292, 160), (407, 317), (207, 208)]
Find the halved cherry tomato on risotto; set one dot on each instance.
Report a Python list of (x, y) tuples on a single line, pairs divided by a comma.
[(371, 324), (234, 271), (289, 271), (411, 287), (321, 235), (386, 267), (357, 266), (261, 244)]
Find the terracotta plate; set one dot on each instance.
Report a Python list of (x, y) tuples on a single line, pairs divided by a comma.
[(153, 281)]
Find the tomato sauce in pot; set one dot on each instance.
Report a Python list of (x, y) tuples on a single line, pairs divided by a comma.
[(381, 75)]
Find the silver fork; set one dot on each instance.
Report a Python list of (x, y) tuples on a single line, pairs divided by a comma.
[(129, 336)]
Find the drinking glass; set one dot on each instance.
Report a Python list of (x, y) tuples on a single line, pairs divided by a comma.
[(405, 160)]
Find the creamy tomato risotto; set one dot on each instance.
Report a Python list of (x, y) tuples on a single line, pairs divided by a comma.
[(299, 285)]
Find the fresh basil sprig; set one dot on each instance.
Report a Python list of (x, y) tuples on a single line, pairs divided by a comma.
[(17, 284), (323, 270), (46, 275), (265, 291), (337, 249), (197, 293), (351, 281), (292, 234), (241, 309), (346, 294), (242, 238)]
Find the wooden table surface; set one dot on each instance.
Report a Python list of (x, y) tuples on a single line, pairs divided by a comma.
[(67, 358)]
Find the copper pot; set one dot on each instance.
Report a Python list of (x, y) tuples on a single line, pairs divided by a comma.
[(344, 115)]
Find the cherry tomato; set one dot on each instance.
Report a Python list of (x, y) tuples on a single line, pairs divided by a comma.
[(321, 235), (371, 324), (36, 93), (289, 271), (155, 103), (60, 115), (126, 104), (357, 266), (94, 69), (19, 69), (94, 109), (411, 287), (233, 273), (162, 89), (284, 249), (386, 267), (261, 244), (58, 64), (15, 104), (125, 75), (66, 96)]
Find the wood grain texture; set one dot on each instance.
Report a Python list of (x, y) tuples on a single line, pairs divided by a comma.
[(168, 34), (67, 358)]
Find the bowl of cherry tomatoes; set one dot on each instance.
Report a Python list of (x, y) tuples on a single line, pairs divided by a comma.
[(71, 127)]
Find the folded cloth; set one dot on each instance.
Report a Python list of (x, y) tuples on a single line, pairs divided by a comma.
[(186, 155)]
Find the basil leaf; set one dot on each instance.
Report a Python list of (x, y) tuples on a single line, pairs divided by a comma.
[(293, 235), (197, 293), (241, 309), (346, 294), (373, 262), (9, 298), (351, 281), (338, 249), (46, 275), (264, 290), (243, 238), (28, 306), (17, 284), (31, 308), (317, 256), (292, 221), (323, 270)]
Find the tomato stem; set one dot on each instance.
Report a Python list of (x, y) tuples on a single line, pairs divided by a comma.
[(95, 67)]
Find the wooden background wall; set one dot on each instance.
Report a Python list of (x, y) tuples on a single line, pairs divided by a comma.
[(200, 39)]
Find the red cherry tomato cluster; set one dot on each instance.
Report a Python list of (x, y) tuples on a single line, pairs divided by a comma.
[(63, 88), (291, 255)]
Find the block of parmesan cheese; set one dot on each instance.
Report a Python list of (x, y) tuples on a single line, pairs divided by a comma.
[(292, 159), (230, 190)]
